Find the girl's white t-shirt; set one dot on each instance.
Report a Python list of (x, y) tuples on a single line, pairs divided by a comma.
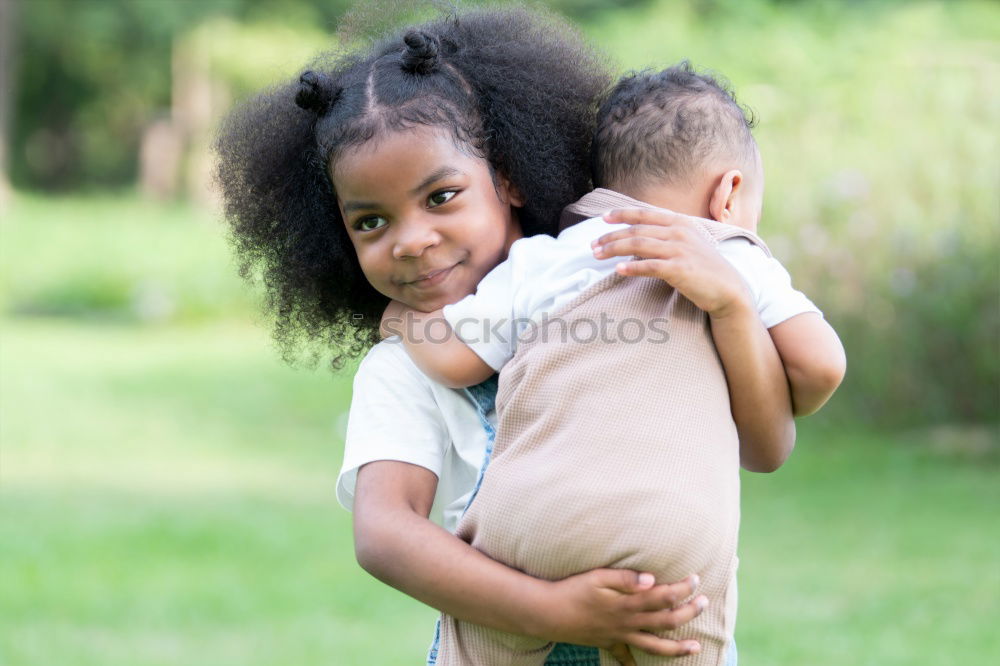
[(397, 413)]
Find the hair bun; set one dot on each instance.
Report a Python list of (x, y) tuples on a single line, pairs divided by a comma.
[(421, 55), (316, 93)]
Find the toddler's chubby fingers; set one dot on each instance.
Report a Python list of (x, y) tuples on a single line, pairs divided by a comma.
[(636, 246), (663, 647), (640, 231), (652, 216), (664, 269)]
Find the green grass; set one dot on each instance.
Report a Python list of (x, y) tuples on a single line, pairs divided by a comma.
[(117, 257), (166, 496)]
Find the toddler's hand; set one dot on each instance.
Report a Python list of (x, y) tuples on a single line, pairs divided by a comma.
[(672, 249), (609, 608)]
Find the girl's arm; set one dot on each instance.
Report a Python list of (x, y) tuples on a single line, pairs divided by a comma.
[(434, 347), (672, 250), (396, 543)]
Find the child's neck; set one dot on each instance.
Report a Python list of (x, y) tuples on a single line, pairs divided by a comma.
[(680, 199)]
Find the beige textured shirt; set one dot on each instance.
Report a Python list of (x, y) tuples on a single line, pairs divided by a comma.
[(619, 453)]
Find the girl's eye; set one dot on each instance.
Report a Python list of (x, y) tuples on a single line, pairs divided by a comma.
[(370, 223), (439, 198)]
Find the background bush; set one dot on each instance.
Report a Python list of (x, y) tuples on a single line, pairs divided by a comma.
[(877, 125)]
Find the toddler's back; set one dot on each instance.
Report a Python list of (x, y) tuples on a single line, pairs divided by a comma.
[(618, 454)]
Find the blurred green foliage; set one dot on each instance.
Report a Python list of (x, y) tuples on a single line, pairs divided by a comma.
[(90, 74), (878, 126), (877, 122)]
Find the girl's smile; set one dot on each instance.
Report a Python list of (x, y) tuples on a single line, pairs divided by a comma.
[(432, 278), (427, 219)]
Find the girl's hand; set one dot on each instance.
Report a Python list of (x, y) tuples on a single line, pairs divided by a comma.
[(392, 319), (612, 608), (672, 249)]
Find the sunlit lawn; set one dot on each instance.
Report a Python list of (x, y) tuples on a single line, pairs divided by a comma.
[(167, 498)]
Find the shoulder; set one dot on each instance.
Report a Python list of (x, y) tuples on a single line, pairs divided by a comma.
[(741, 250), (393, 416), (392, 399), (769, 282), (388, 363), (389, 388)]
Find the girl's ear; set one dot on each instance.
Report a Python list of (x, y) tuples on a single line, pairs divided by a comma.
[(510, 194), (722, 204)]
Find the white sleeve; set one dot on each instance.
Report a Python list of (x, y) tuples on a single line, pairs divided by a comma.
[(769, 282), (393, 416)]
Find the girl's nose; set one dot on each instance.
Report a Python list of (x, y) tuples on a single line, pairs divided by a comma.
[(412, 239)]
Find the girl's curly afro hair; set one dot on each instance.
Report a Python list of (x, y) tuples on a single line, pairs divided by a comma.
[(519, 88)]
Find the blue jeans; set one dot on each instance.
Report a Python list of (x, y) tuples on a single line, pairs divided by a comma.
[(578, 655)]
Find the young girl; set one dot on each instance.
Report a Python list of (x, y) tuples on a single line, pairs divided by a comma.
[(405, 172)]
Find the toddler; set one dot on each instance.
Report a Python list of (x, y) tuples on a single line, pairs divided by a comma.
[(616, 445)]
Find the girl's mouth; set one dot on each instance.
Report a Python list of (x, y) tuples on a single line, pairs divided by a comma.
[(432, 279)]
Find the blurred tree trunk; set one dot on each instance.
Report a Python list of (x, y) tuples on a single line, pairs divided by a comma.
[(175, 154), (8, 16), (198, 96)]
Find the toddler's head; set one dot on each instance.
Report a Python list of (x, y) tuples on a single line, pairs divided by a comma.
[(403, 170), (678, 139)]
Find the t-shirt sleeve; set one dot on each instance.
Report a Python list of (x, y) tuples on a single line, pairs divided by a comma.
[(393, 416), (770, 284)]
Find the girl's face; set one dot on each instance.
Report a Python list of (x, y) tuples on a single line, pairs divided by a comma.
[(425, 218)]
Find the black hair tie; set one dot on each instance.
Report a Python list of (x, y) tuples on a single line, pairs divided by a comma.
[(316, 93), (421, 55)]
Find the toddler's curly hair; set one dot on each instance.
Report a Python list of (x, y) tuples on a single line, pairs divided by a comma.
[(665, 126), (519, 88)]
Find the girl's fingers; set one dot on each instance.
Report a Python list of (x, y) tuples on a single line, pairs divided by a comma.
[(662, 647), (657, 216), (666, 596), (666, 620), (625, 581)]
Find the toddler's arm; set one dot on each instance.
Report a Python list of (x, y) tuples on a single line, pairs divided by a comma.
[(809, 348), (813, 357), (396, 543), (434, 347), (672, 250)]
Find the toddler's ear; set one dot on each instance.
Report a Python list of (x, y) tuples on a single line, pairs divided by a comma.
[(722, 204)]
